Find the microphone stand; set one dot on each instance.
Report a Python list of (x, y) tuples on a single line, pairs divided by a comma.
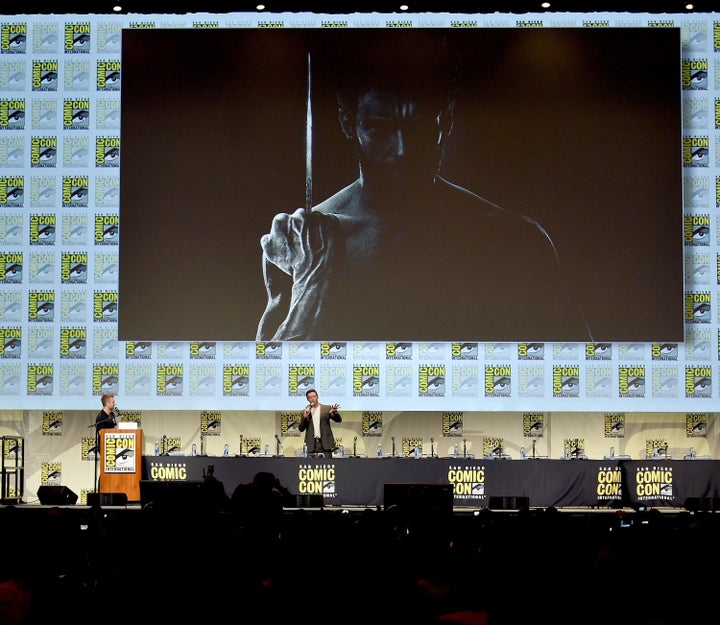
[(392, 438), (355, 447), (432, 447), (533, 449), (464, 448), (277, 446)]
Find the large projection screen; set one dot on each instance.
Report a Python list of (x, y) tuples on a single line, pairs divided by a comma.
[(578, 129)]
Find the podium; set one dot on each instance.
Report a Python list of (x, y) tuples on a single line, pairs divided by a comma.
[(121, 462)]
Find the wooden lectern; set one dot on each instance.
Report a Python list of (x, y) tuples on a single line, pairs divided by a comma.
[(121, 462)]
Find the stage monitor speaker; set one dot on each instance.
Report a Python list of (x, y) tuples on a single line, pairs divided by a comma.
[(508, 503), (107, 499), (309, 501), (419, 499), (190, 496), (56, 496), (702, 504)]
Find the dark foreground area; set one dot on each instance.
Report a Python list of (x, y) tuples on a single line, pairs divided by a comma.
[(121, 566)]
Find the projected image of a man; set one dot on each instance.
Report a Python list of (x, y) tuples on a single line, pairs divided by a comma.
[(402, 253)]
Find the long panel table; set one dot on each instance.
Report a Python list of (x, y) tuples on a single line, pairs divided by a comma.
[(561, 483)]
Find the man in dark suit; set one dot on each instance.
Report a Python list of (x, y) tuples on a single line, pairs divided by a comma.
[(315, 423)]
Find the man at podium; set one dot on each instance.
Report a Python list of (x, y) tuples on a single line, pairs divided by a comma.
[(106, 417)]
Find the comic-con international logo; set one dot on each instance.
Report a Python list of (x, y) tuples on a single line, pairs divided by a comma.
[(498, 379), (41, 306), (40, 379), (614, 426), (76, 114), (664, 351), (270, 349), (88, 449), (200, 350), (696, 191), (574, 447), (372, 423), (334, 378), (695, 74), (395, 350), (107, 151), (138, 349), (43, 151), (398, 380), (120, 453), (566, 381), (598, 381), (75, 191), (268, 380), (289, 423), (73, 267), (10, 342), (106, 379), (653, 482), (107, 114), (333, 350), (696, 424), (598, 351), (317, 480), (108, 75), (698, 268), (45, 76), (697, 307), (531, 380), (51, 473), (43, 191), (452, 423), (609, 483), (210, 423), (202, 379), (531, 351), (107, 191), (366, 380), (468, 482), (698, 382), (77, 38), (12, 191), (107, 229), (108, 36), (105, 306), (696, 151), (106, 267), (631, 381), (464, 351), (11, 267), (169, 380), (465, 380), (411, 446), (11, 228), (301, 378), (533, 424), (236, 380), (665, 381), (13, 38), (431, 380), (73, 342), (175, 472), (52, 423), (12, 114)]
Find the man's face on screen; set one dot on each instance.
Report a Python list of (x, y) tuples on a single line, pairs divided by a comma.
[(399, 139)]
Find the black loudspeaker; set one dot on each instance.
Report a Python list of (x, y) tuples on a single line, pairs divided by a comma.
[(107, 499), (702, 504), (56, 496), (419, 499), (508, 503), (191, 496), (309, 501)]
